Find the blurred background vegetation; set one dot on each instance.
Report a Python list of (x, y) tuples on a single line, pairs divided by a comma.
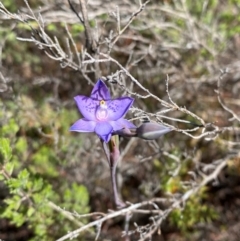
[(43, 166)]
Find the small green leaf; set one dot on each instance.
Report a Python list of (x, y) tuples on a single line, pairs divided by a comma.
[(30, 211), (51, 27), (9, 168), (21, 145), (10, 128), (5, 149), (77, 28)]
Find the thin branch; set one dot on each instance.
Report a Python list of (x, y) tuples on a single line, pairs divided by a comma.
[(74, 10), (91, 43), (134, 15), (235, 116), (114, 214)]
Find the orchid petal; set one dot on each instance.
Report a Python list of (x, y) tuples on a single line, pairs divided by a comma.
[(118, 108), (86, 106), (83, 125), (100, 91), (104, 130), (122, 124), (106, 138)]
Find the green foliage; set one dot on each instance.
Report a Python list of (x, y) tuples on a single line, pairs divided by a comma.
[(169, 183), (10, 129), (193, 212), (76, 29), (5, 150), (80, 199), (13, 50), (27, 26), (227, 16), (29, 168), (10, 5)]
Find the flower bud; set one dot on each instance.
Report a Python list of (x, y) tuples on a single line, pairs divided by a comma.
[(152, 130)]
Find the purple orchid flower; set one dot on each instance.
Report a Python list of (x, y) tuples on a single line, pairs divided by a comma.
[(101, 114)]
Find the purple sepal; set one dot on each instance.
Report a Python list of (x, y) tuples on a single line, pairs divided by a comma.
[(83, 125), (100, 91), (118, 108)]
